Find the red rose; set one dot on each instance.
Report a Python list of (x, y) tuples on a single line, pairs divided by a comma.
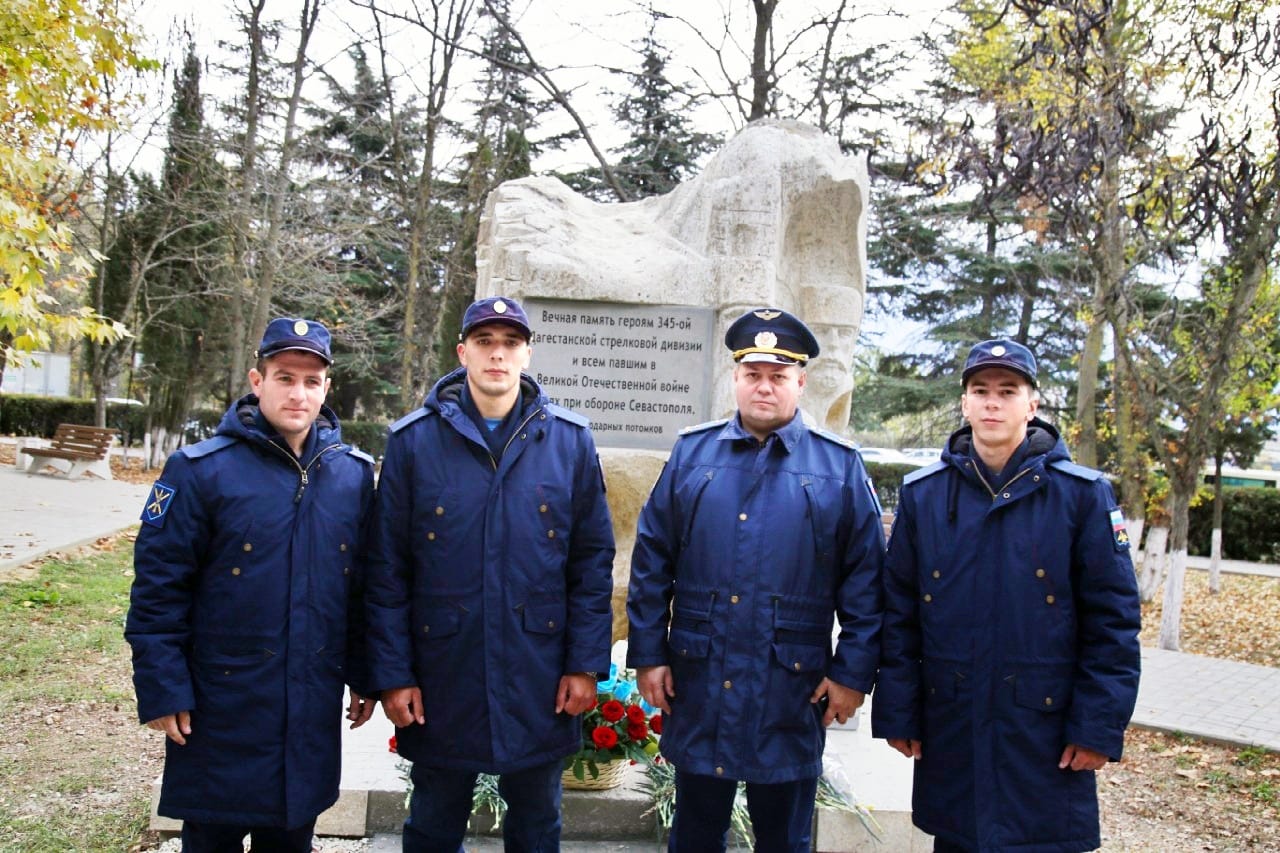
[(656, 724), (637, 731), (391, 744), (635, 714), (594, 704), (612, 711), (604, 737)]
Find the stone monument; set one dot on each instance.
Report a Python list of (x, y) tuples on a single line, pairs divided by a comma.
[(629, 302)]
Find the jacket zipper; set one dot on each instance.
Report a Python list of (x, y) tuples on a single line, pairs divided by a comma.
[(303, 478), (523, 424), (1014, 479)]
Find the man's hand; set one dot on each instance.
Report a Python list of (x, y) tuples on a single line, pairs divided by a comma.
[(841, 701), (576, 692), (403, 706), (360, 710), (175, 726), (656, 685), (909, 748), (1081, 758)]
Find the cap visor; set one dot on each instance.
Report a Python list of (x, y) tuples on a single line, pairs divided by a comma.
[(767, 357)]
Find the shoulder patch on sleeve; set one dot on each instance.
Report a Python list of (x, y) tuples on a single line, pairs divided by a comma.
[(926, 471), (361, 455), (209, 445), (1069, 467), (833, 438), (1119, 528), (569, 415), (414, 416), (158, 503), (703, 427)]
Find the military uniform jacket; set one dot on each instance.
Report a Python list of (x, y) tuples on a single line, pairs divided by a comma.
[(489, 580), (245, 610), (745, 556), (1011, 630)]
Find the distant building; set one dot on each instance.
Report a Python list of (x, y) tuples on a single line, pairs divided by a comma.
[(44, 374)]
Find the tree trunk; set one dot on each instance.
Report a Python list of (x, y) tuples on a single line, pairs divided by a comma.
[(269, 251), (1086, 449), (1171, 614), (1153, 562), (1215, 547), (761, 84)]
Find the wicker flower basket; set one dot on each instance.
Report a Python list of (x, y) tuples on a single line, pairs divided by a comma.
[(611, 776)]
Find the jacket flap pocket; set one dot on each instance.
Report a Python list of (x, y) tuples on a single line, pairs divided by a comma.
[(942, 681), (438, 622), (686, 644), (544, 618), (1048, 693), (800, 657)]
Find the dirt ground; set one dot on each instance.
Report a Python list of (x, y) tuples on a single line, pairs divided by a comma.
[(1170, 794)]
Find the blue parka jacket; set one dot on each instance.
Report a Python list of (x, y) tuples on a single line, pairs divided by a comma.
[(245, 610), (489, 581), (1011, 631), (745, 556)]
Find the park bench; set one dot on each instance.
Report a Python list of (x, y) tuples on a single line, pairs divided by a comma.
[(85, 448)]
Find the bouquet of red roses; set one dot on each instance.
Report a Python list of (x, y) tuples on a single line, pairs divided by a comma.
[(619, 726)]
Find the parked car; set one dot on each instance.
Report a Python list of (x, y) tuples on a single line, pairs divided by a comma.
[(887, 456), (922, 455)]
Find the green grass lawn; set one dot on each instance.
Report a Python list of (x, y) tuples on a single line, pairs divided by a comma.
[(75, 767)]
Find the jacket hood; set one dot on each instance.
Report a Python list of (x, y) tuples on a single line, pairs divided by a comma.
[(241, 421), (1045, 441), (449, 390)]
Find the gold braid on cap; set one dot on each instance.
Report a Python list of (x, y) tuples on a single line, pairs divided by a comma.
[(798, 356)]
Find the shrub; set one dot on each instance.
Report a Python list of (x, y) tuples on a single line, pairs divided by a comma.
[(369, 436), (1250, 525), (887, 478), (28, 414)]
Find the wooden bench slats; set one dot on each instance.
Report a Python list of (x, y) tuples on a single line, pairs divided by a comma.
[(85, 447)]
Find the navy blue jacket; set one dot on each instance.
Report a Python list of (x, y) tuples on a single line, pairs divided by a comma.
[(489, 581), (1011, 630), (762, 548), (245, 610)]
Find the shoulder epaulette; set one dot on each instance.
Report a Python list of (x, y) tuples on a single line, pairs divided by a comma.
[(1066, 466), (926, 471), (414, 416), (361, 455), (704, 427), (568, 415), (832, 437), (209, 445)]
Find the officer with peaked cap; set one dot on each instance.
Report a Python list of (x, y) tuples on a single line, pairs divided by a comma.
[(245, 615), (490, 584), (1007, 716), (760, 533)]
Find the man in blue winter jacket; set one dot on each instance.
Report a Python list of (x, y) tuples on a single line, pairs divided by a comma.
[(245, 615), (1010, 647), (490, 581), (760, 534)]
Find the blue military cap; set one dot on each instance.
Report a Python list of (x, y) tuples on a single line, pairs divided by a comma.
[(495, 309), (1010, 355), (288, 333), (770, 334)]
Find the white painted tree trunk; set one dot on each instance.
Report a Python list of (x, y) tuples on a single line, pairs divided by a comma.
[(1153, 562), (1215, 562), (1171, 613), (1136, 526)]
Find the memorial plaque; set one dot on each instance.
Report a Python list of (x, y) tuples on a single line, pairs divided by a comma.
[(641, 373)]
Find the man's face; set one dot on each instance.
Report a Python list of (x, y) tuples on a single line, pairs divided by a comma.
[(494, 354), (291, 391), (767, 395), (998, 404)]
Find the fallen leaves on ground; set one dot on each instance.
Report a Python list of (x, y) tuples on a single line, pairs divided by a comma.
[(1240, 623)]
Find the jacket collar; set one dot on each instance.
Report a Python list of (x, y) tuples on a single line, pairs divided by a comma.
[(788, 435), (243, 420)]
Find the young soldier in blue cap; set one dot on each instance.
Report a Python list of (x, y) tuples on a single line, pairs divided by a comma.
[(245, 615), (1010, 648), (760, 533), (489, 592)]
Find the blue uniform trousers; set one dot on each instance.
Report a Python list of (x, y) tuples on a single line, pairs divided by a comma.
[(441, 804), (226, 838), (781, 814)]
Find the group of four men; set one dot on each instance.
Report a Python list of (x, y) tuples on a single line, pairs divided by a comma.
[(472, 596)]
